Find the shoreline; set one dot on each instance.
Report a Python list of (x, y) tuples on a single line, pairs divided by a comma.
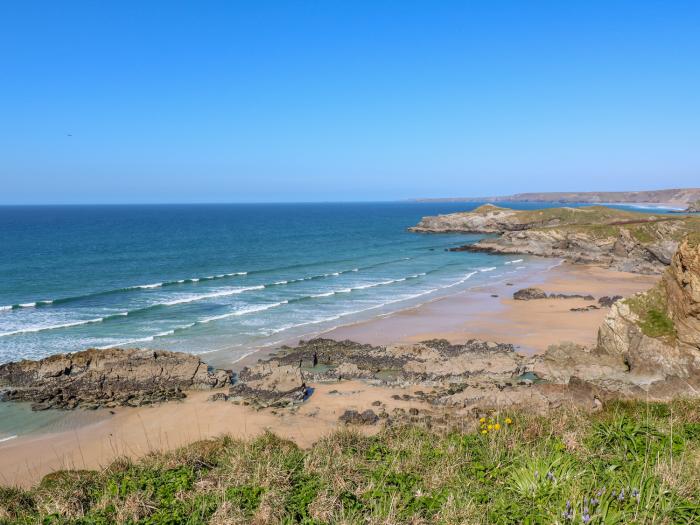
[(530, 325), (529, 278)]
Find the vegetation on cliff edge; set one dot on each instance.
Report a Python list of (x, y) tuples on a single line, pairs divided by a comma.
[(651, 308), (631, 463)]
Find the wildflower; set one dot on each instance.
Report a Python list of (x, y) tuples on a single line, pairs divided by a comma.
[(508, 421), (621, 497), (484, 431), (568, 514), (594, 502), (551, 477), (586, 517), (489, 427), (482, 420), (419, 493), (635, 494), (497, 426)]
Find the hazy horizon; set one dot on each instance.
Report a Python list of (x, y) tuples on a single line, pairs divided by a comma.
[(152, 103)]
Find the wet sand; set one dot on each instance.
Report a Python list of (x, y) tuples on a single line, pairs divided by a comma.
[(473, 314)]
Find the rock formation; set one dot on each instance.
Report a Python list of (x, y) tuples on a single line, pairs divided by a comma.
[(649, 344), (106, 378), (528, 294), (623, 240)]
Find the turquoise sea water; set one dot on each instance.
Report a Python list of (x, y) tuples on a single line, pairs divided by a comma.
[(218, 278)]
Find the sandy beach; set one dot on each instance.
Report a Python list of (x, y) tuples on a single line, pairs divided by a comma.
[(490, 313), (487, 313)]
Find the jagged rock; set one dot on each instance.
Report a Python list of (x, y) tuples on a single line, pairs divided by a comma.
[(682, 285), (353, 417), (527, 294), (98, 378), (607, 301), (675, 300)]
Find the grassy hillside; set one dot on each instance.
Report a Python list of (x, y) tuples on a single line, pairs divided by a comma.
[(632, 463)]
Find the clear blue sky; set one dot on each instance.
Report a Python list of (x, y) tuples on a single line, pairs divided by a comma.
[(303, 101)]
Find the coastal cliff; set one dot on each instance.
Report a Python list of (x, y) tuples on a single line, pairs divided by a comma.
[(649, 344), (622, 240), (657, 333)]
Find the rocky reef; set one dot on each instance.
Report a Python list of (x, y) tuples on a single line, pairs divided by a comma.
[(623, 240), (106, 378)]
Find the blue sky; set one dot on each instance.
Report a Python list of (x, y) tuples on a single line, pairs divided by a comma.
[(306, 101)]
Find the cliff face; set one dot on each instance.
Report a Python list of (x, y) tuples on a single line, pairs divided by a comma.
[(649, 344), (657, 333), (623, 240)]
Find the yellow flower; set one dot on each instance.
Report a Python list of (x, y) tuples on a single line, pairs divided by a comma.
[(484, 431), (497, 426), (482, 420), (490, 427), (508, 421)]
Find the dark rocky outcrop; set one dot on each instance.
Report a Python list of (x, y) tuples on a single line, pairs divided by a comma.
[(607, 301), (528, 294), (106, 378), (353, 417)]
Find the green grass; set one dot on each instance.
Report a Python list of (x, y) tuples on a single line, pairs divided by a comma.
[(631, 463), (651, 309)]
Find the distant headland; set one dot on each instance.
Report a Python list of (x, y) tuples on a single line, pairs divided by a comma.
[(680, 197)]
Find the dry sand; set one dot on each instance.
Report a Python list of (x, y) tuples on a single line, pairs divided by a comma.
[(531, 325)]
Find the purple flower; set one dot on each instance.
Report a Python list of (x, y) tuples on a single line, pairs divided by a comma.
[(586, 518)]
